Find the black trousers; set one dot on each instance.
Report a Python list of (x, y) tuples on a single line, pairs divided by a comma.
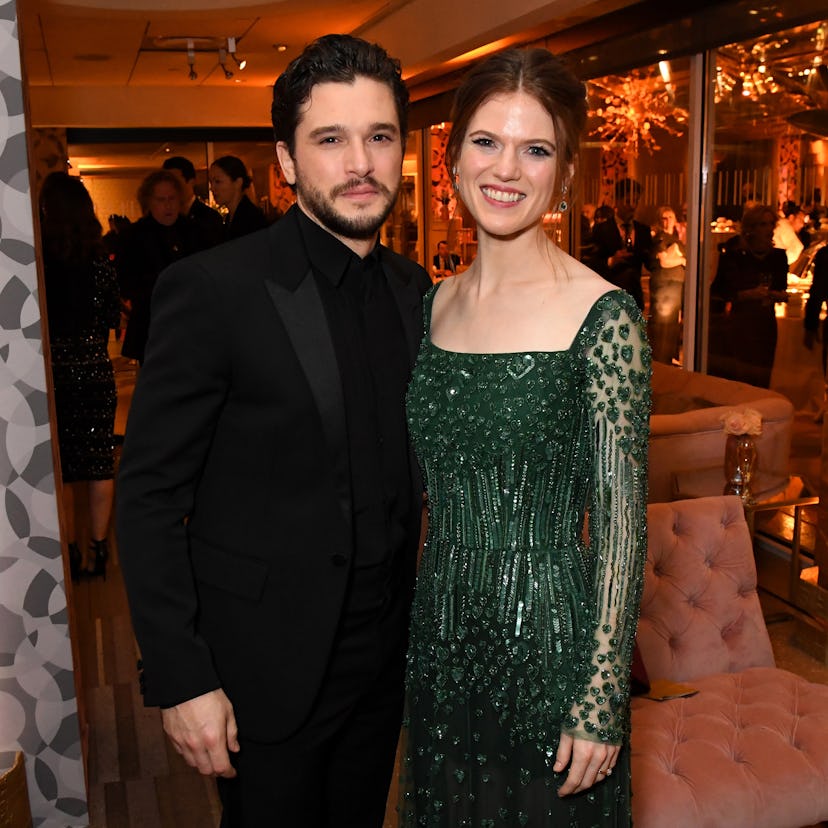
[(334, 772)]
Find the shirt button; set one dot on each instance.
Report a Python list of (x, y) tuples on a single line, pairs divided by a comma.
[(338, 559)]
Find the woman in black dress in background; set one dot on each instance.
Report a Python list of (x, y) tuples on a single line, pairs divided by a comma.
[(229, 182), (82, 305)]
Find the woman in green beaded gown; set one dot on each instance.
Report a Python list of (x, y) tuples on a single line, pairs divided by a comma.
[(528, 410)]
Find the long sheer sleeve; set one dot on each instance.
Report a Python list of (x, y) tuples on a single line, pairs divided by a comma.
[(618, 390)]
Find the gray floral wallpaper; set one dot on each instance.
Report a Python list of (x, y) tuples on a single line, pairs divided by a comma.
[(38, 710)]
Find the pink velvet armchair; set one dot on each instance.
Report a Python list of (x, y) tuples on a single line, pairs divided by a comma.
[(750, 749)]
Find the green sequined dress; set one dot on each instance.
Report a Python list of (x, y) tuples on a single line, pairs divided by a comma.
[(520, 626)]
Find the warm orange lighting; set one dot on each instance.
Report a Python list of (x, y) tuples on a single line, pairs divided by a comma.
[(479, 52)]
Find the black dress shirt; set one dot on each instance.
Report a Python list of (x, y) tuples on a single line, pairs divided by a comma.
[(372, 355)]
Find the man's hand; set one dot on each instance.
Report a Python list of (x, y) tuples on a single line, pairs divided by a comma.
[(202, 730), (589, 762), (619, 256)]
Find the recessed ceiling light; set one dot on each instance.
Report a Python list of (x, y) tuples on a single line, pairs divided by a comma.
[(280, 47)]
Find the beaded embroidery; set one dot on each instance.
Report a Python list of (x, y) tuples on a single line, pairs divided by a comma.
[(520, 628)]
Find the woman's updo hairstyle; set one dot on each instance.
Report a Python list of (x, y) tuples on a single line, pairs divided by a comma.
[(537, 73), (235, 168)]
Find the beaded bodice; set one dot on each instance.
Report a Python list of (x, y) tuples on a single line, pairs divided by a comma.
[(517, 601)]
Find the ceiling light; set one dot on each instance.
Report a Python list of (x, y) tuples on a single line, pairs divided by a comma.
[(231, 48), (223, 63), (191, 59)]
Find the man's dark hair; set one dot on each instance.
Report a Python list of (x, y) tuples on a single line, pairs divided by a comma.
[(182, 164), (333, 58)]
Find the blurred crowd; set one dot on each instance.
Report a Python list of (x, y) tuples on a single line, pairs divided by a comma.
[(96, 282)]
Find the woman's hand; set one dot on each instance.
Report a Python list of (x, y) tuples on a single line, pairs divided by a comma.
[(589, 762)]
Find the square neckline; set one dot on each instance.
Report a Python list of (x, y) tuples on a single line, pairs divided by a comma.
[(566, 350)]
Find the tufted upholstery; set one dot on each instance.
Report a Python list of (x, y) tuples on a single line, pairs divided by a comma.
[(750, 750)]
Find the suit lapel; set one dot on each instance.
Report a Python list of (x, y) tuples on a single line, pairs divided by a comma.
[(293, 289)]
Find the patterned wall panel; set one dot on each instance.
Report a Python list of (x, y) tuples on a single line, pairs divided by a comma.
[(38, 710), (443, 200), (50, 153), (788, 158)]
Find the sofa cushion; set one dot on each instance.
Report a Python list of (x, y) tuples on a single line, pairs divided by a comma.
[(686, 430), (678, 404), (748, 751)]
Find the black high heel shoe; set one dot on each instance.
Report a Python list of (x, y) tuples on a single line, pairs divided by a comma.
[(74, 561), (100, 553)]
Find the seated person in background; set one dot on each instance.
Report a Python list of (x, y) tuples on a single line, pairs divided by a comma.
[(444, 263)]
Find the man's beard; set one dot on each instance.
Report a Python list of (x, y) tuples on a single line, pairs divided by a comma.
[(360, 227)]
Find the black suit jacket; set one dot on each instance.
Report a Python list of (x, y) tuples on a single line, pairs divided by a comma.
[(606, 240), (234, 500), (436, 261), (248, 218), (207, 223), (146, 248)]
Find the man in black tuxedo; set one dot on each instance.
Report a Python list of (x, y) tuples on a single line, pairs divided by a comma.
[(444, 264), (621, 248), (206, 223), (268, 503)]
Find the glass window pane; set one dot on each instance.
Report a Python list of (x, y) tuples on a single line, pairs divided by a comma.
[(767, 186), (633, 192)]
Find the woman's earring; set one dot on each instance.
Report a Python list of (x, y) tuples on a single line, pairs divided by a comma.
[(564, 205), (455, 179)]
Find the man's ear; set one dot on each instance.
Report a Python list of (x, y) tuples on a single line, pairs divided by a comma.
[(286, 162)]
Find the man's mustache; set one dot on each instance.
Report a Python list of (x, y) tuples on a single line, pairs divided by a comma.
[(341, 189)]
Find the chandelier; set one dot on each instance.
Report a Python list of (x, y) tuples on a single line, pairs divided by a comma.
[(778, 80), (634, 107)]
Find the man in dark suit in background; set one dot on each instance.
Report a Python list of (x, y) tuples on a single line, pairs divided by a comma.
[(268, 504), (444, 263), (621, 248), (206, 223)]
